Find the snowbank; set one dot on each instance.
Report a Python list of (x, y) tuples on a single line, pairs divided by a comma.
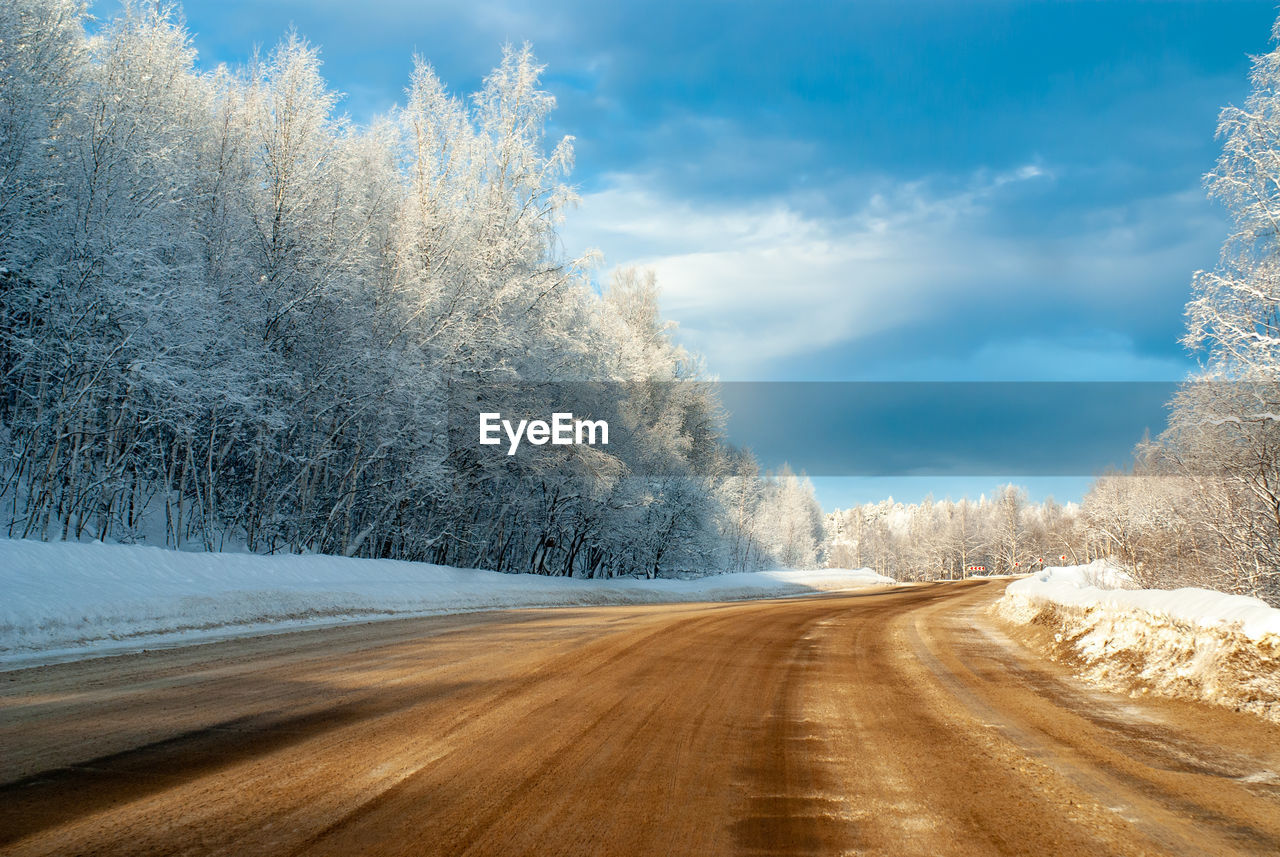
[(65, 600), (1191, 643)]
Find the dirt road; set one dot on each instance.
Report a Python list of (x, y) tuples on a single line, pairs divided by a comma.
[(892, 722)]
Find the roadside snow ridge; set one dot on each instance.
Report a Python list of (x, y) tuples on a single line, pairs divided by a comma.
[(64, 600)]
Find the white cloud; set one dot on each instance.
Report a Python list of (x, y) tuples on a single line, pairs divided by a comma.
[(757, 283), (752, 284)]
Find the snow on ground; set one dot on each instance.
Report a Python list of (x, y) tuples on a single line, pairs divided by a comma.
[(63, 600), (1190, 643)]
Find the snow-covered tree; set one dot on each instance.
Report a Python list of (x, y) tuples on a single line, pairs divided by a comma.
[(231, 316), (1224, 433), (790, 521)]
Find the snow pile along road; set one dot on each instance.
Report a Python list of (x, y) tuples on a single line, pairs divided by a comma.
[(64, 600), (1190, 643)]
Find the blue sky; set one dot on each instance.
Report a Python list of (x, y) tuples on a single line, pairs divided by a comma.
[(860, 191)]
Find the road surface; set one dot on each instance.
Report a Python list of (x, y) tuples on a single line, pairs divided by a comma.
[(888, 722)]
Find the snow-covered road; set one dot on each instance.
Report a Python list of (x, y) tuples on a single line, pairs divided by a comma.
[(891, 722)]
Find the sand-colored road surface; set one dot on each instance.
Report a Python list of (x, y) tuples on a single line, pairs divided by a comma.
[(890, 722)]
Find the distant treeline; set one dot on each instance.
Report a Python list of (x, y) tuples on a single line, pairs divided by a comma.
[(955, 539)]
